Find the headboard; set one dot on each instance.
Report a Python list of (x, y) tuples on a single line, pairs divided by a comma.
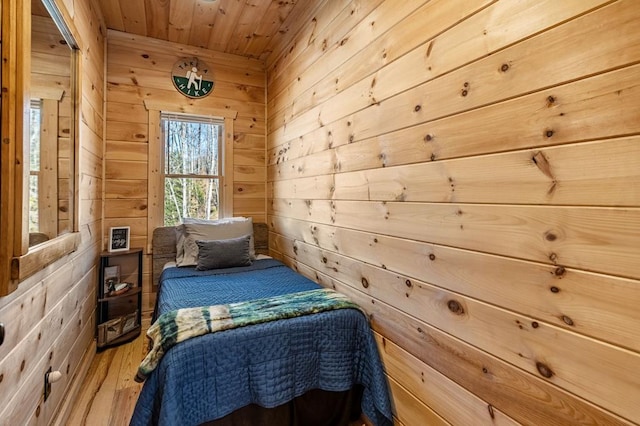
[(164, 247)]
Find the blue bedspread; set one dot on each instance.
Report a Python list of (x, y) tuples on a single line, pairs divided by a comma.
[(189, 288), (269, 364)]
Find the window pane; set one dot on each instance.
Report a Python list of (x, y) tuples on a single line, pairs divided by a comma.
[(33, 204), (34, 129), (34, 167), (186, 197), (191, 148)]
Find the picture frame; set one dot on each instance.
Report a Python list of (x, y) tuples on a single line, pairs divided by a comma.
[(111, 278), (119, 238)]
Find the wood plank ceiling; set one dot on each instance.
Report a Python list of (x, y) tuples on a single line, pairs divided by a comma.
[(38, 9), (242, 27)]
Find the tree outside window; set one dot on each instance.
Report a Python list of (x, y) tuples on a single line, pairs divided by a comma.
[(192, 167), (34, 166)]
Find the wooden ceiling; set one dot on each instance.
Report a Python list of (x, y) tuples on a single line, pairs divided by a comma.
[(37, 8), (243, 27)]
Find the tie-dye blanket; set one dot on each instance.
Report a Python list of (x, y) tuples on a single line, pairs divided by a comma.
[(179, 325)]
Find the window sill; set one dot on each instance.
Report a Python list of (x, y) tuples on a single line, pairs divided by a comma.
[(43, 254)]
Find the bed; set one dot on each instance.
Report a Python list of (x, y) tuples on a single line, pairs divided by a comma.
[(309, 360)]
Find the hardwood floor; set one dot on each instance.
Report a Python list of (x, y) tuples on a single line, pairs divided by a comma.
[(109, 392)]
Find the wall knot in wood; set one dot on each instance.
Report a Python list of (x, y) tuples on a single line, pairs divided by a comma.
[(455, 307), (465, 89), (560, 272), (567, 320), (544, 370), (365, 282)]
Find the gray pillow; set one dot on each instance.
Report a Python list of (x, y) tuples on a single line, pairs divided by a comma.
[(216, 254), (219, 230), (203, 229)]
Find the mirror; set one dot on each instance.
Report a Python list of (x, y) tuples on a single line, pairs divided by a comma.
[(50, 132)]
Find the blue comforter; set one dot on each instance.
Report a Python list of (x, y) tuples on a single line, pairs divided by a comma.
[(269, 364)]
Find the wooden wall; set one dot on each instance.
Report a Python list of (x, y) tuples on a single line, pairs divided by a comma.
[(469, 171), (139, 70), (50, 318)]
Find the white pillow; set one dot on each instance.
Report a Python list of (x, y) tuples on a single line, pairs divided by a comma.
[(217, 230), (181, 232)]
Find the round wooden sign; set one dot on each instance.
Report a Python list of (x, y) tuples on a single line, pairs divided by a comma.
[(192, 78)]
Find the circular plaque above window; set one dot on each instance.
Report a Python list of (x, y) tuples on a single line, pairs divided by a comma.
[(192, 78)]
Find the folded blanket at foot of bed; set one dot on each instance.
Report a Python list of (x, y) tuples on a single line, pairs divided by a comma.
[(268, 364), (177, 326)]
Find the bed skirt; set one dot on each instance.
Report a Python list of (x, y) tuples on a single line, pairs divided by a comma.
[(315, 408)]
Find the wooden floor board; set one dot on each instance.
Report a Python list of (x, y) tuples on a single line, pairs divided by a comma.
[(109, 393)]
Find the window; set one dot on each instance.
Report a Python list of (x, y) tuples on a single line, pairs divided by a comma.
[(158, 112), (34, 166), (49, 168), (192, 170)]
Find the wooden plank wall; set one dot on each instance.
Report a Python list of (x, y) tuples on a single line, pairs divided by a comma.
[(50, 318), (469, 171), (139, 69)]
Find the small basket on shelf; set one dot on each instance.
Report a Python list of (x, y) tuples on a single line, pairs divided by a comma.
[(114, 328)]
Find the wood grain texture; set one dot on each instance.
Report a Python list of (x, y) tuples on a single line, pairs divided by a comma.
[(552, 176), (315, 84), (593, 239), (139, 87), (334, 33), (463, 169), (480, 155), (458, 405), (240, 28), (583, 110), (50, 317), (430, 99), (521, 340), (410, 410), (109, 392), (477, 371)]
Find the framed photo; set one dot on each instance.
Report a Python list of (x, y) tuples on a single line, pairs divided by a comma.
[(119, 238), (111, 278)]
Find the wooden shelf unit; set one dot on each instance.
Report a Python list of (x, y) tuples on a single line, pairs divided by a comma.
[(119, 316)]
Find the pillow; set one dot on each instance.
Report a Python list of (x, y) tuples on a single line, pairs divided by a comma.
[(215, 254), (220, 230), (180, 236), (181, 232)]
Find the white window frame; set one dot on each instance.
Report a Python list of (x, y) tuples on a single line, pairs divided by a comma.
[(155, 162), (219, 177)]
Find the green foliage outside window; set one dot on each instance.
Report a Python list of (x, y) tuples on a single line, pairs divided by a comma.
[(192, 169)]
